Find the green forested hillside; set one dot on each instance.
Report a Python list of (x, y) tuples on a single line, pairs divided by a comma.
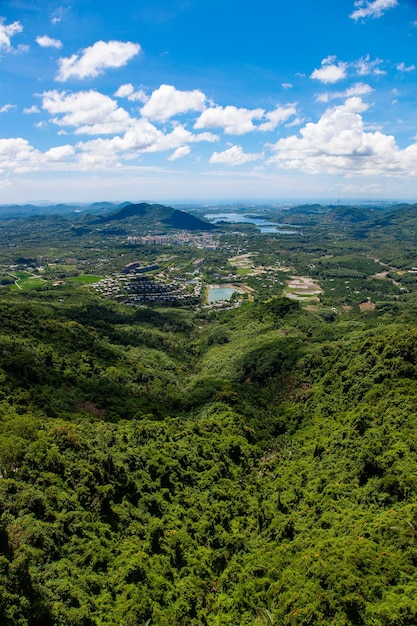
[(154, 215), (165, 467)]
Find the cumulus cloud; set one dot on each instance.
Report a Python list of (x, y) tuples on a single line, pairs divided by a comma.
[(93, 113), (48, 42), (128, 91), (277, 116), (16, 154), (372, 9), (7, 107), (179, 153), (359, 89), (234, 121), (90, 112), (402, 67), (105, 152), (6, 33), (339, 143), (167, 101), (125, 91), (142, 137), (94, 60), (177, 138), (233, 156), (59, 153), (330, 72)]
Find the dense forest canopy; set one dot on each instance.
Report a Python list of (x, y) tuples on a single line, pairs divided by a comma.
[(194, 465)]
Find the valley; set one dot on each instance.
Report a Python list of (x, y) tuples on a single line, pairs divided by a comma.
[(166, 460)]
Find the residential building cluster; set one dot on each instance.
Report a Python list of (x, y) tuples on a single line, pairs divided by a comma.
[(140, 289), (205, 240), (137, 268)]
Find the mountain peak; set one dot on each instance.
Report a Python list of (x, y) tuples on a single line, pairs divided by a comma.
[(159, 214)]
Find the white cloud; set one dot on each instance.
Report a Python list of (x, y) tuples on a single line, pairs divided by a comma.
[(179, 153), (286, 86), (359, 89), (330, 72), (177, 138), (128, 91), (234, 121), (106, 151), (7, 107), (366, 67), (295, 122), (233, 156), (6, 33), (372, 9), (17, 154), (48, 42), (94, 60), (60, 153), (32, 109), (277, 116), (125, 91), (167, 101), (93, 113), (57, 15), (89, 112), (401, 67), (339, 144), (142, 137)]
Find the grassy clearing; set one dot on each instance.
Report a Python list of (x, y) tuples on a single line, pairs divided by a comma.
[(242, 271), (29, 282), (22, 275)]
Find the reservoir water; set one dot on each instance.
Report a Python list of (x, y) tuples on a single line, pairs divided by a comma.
[(215, 294), (264, 225)]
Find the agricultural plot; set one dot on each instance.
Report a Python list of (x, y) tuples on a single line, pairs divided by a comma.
[(26, 280), (302, 288)]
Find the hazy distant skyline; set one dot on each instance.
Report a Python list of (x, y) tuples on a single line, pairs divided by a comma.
[(185, 100)]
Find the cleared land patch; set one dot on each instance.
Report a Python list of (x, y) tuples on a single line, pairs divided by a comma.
[(302, 288)]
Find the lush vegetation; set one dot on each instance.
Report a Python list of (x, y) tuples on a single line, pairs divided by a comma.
[(175, 466)]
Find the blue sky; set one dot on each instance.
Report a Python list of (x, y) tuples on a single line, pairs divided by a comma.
[(197, 100)]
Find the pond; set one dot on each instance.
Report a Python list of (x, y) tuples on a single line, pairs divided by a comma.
[(215, 294)]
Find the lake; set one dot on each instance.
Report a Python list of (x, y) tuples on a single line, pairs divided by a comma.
[(264, 225)]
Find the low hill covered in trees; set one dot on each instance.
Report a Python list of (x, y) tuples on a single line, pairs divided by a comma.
[(158, 214)]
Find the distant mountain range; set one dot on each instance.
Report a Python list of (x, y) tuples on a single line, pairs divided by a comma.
[(150, 215), (400, 218)]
